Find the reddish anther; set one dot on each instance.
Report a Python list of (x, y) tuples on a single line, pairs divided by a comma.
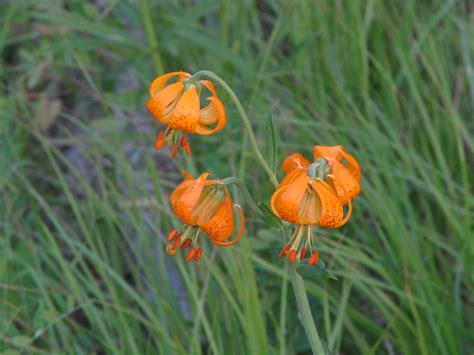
[(177, 242), (159, 140), (313, 259), (174, 151), (187, 147), (292, 256), (190, 254), (284, 251), (302, 253), (184, 141), (198, 254), (186, 243), (171, 235), (170, 250)]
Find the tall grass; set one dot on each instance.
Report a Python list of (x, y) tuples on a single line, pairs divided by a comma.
[(84, 206)]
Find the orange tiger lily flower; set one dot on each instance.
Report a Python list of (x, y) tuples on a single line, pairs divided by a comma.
[(178, 106), (314, 194), (203, 205)]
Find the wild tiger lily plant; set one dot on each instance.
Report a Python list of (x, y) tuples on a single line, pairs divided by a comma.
[(313, 194)]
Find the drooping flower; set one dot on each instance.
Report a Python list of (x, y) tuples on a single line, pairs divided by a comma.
[(178, 106), (314, 194), (203, 205)]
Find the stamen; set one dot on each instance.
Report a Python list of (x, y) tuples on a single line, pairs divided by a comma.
[(313, 259), (159, 140), (186, 243), (188, 149), (302, 253), (177, 242), (171, 235), (190, 254), (184, 141), (292, 256), (284, 251), (198, 254), (174, 151), (170, 250)]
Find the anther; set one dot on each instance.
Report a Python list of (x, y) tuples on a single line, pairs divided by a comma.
[(302, 253), (190, 254), (171, 235), (174, 151), (284, 251), (313, 259), (198, 254), (186, 243), (292, 256), (170, 250), (159, 140), (184, 141), (177, 242)]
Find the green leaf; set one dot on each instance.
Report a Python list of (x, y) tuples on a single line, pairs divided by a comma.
[(315, 271), (269, 217), (272, 143)]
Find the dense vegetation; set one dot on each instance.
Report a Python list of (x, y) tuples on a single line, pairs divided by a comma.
[(84, 208)]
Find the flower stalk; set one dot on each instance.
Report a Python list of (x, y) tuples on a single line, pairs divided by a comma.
[(297, 281)]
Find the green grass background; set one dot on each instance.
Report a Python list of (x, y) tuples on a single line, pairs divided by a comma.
[(84, 208)]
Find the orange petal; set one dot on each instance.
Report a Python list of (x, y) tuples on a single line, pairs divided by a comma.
[(239, 235), (286, 201), (186, 113), (209, 86), (215, 111), (185, 196), (160, 82), (352, 165), (331, 207), (292, 176), (347, 185), (324, 151), (295, 161), (310, 208), (160, 102), (220, 226)]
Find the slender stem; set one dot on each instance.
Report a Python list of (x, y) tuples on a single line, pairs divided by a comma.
[(297, 281), (305, 315), (151, 34), (245, 120)]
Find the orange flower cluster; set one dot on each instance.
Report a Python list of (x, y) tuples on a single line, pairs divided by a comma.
[(178, 106), (203, 205), (311, 193), (315, 194)]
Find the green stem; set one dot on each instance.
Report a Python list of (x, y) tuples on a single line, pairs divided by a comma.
[(297, 281), (245, 120), (151, 34)]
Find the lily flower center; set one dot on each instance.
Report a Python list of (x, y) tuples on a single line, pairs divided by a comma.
[(320, 169)]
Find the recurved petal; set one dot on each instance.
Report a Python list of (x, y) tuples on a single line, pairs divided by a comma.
[(215, 111), (209, 86), (186, 112), (185, 196), (346, 182), (220, 226), (324, 151), (159, 104), (331, 207), (291, 176), (352, 165), (286, 200), (295, 161), (160, 82)]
